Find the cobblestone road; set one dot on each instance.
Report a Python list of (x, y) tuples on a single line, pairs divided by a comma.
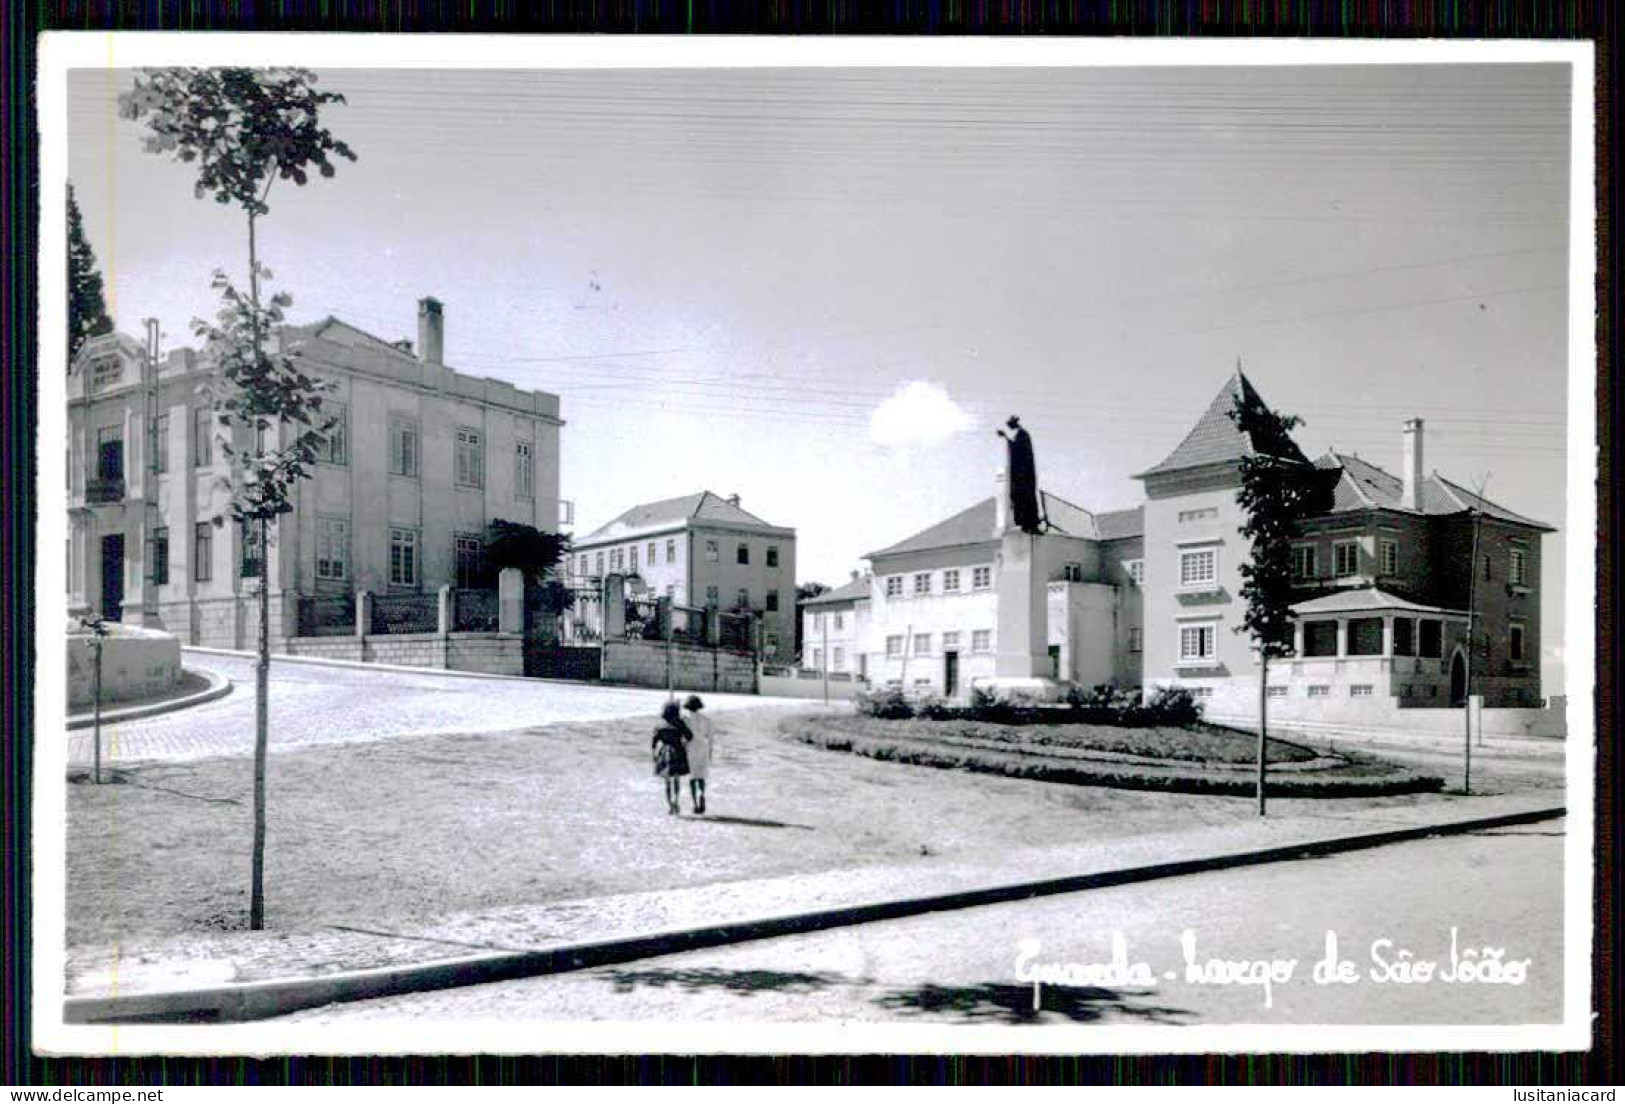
[(314, 704)]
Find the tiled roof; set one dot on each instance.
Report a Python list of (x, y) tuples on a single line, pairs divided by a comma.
[(668, 512), (1215, 439), (856, 589), (975, 526), (1120, 524), (1362, 485), (1363, 600)]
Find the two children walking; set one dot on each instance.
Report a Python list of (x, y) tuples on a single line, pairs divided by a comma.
[(682, 749)]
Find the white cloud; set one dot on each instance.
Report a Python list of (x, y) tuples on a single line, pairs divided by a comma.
[(919, 413)]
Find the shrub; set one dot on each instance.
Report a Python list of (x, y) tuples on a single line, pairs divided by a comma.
[(1173, 705), (933, 708), (885, 702)]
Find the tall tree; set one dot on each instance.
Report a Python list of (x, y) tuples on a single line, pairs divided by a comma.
[(1279, 488), (245, 129), (87, 307)]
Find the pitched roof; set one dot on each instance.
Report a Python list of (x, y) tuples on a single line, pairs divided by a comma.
[(1364, 600), (1120, 524), (849, 591), (668, 512), (1362, 485), (975, 526), (1216, 439)]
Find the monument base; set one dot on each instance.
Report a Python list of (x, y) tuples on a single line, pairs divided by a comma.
[(1019, 688)]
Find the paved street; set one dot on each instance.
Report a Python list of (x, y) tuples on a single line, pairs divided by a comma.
[(1501, 889), (314, 704)]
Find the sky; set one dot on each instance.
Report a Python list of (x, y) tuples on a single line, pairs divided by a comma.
[(824, 289)]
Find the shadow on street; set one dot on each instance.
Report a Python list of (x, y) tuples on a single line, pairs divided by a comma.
[(1013, 1004)]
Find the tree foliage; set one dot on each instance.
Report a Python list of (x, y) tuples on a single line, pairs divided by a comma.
[(87, 306), (1279, 488), (515, 544), (243, 128)]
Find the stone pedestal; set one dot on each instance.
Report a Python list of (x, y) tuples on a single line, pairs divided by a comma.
[(1022, 667)]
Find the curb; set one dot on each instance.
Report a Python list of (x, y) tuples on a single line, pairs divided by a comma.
[(318, 661), (258, 1000), (219, 686)]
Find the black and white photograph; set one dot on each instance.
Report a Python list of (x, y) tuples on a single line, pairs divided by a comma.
[(783, 546)]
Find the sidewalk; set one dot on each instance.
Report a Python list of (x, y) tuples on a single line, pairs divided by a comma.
[(237, 976)]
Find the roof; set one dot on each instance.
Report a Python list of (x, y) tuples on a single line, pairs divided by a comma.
[(975, 526), (1364, 486), (855, 590), (1216, 439), (1366, 600), (670, 512)]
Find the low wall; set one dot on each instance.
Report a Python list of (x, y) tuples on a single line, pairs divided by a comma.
[(1375, 718), (643, 663), (487, 653), (795, 683), (136, 663)]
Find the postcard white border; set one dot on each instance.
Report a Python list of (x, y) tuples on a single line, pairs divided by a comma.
[(63, 51)]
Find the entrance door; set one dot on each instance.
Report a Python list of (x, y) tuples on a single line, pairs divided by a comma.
[(113, 577), (1458, 680), (950, 674), (1055, 661)]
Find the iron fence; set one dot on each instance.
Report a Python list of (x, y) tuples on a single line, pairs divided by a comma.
[(405, 613), (324, 616), (474, 611)]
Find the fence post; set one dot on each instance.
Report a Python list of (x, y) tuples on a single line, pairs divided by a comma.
[(614, 608), (445, 610), (363, 613), (511, 600)]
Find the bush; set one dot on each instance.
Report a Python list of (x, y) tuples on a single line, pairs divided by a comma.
[(934, 708), (885, 702), (1174, 705)]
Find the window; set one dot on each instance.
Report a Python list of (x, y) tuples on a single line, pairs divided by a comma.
[(1486, 569), (742, 599), (105, 370), (203, 552), (838, 659), (772, 601), (1365, 636), (742, 554), (1199, 568), (1390, 557), (1195, 643), (524, 474), (950, 640), (336, 448), (981, 578), (110, 454), (1136, 640), (1072, 572), (711, 553), (1431, 640), (1516, 643), (468, 553), (160, 443), (818, 659), (160, 556), (894, 646), (1136, 571), (332, 548), (950, 580), (981, 641), (922, 583), (922, 644), (671, 551), (403, 447), (1319, 639), (1198, 515), (772, 555), (598, 560), (403, 557), (1516, 569), (1345, 558), (1303, 562), (839, 619), (1361, 690), (582, 565), (1200, 691), (1404, 637), (252, 550), (202, 437), (1276, 691), (712, 596), (1320, 691), (470, 459), (634, 561), (651, 550), (894, 586)]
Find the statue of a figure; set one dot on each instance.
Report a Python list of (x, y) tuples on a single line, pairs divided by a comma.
[(1023, 487)]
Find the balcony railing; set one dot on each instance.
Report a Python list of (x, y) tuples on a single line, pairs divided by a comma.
[(102, 491)]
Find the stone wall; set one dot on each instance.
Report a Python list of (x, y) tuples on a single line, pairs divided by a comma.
[(643, 663), (486, 653), (136, 663)]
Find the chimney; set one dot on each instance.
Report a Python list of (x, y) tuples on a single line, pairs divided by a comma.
[(1411, 497), (854, 575), (431, 332), (733, 500)]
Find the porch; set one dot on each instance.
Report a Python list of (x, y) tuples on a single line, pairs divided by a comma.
[(1371, 644)]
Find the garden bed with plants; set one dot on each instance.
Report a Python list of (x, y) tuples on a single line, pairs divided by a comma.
[(1100, 738)]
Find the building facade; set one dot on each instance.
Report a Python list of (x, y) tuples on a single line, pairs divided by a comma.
[(421, 459), (834, 625), (1388, 573), (701, 551)]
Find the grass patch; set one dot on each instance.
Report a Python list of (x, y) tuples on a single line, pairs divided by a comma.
[(1204, 760)]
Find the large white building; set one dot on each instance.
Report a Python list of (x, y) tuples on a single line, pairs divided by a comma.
[(422, 459)]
